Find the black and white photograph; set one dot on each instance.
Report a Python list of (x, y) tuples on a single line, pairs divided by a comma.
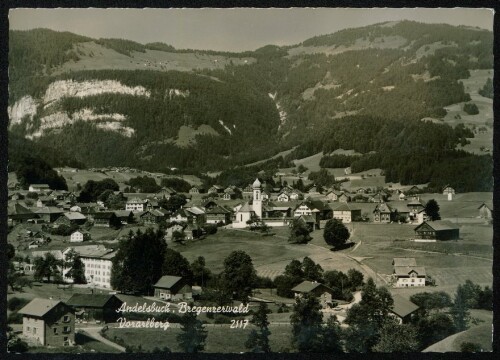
[(250, 180)]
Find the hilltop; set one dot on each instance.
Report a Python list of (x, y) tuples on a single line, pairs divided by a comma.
[(392, 92)]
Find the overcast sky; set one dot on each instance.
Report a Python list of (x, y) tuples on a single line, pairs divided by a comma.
[(229, 29)]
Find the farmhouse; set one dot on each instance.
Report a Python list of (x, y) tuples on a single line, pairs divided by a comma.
[(172, 288), (406, 273), (403, 309), (48, 322), (95, 307), (49, 214), (283, 197), (18, 214), (181, 216), (199, 216), (296, 195), (125, 216), (196, 190), (151, 217), (333, 195), (216, 189), (437, 230), (71, 218), (218, 214), (347, 214), (309, 221), (323, 292), (343, 197)]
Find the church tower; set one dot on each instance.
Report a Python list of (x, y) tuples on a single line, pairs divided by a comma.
[(257, 198)]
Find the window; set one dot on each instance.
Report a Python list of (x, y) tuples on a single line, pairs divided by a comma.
[(34, 330), (66, 318), (28, 328), (67, 329), (55, 331)]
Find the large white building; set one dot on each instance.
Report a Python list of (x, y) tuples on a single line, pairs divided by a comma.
[(136, 204), (98, 263)]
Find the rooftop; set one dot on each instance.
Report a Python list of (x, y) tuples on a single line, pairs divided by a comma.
[(89, 300), (167, 281), (39, 307), (403, 307)]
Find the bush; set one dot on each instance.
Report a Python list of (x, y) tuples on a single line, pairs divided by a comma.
[(471, 109), (470, 347), (265, 283), (210, 229), (17, 346), (16, 303)]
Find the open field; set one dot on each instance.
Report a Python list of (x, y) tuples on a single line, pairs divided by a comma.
[(219, 337), (96, 57)]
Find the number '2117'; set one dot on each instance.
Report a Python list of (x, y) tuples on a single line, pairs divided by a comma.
[(238, 324)]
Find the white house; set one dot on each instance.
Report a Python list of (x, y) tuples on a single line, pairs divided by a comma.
[(79, 236), (283, 197), (136, 204), (38, 187), (406, 273)]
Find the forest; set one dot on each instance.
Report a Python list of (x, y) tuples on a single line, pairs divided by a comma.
[(371, 100)]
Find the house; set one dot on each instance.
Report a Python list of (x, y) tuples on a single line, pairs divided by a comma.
[(228, 195), (486, 210), (173, 228), (45, 201), (216, 189), (79, 236), (218, 214), (98, 262), (48, 322), (346, 213), (172, 288), (323, 292), (199, 215), (49, 214), (165, 193), (19, 214), (283, 197), (343, 197), (378, 198), (384, 213), (38, 187), (437, 230), (106, 219), (406, 273), (196, 190), (332, 195), (151, 217), (71, 218), (125, 216), (96, 307), (448, 190), (403, 310), (309, 221), (313, 190), (182, 215), (296, 195), (136, 204)]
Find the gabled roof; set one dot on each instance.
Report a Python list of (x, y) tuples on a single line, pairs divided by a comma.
[(104, 215), (343, 207), (44, 186), (246, 208), (218, 210), (137, 201), (308, 286), (383, 208), (407, 270), (403, 307), (405, 261), (438, 225), (415, 202), (167, 281), (90, 300), (488, 204), (73, 215), (39, 307), (195, 210), (49, 210), (123, 213), (307, 219)]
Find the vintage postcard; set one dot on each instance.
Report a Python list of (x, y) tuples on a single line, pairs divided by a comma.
[(250, 180)]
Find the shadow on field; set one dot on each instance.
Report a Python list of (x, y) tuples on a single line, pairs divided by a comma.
[(343, 246)]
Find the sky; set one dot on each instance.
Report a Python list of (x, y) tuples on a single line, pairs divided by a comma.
[(236, 29)]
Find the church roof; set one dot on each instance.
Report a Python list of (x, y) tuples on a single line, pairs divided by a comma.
[(256, 184)]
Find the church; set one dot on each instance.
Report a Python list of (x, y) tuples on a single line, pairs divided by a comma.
[(246, 212)]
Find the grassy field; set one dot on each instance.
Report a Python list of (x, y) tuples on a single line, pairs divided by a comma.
[(481, 335), (84, 344), (220, 338), (97, 57)]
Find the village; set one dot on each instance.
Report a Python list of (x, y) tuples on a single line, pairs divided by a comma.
[(394, 240)]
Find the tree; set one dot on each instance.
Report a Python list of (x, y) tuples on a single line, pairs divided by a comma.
[(311, 270), (137, 265), (460, 309), (432, 300), (299, 232), (397, 338), (355, 278), (434, 328), (258, 340), (335, 234), (77, 269), (174, 202), (239, 276), (47, 267), (338, 281), (487, 90), (193, 334), (178, 236), (306, 321), (294, 269), (470, 347), (175, 264), (201, 274), (331, 337), (367, 317), (93, 189), (284, 285), (432, 210), (471, 109)]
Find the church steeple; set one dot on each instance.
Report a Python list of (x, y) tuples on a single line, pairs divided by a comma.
[(257, 198)]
